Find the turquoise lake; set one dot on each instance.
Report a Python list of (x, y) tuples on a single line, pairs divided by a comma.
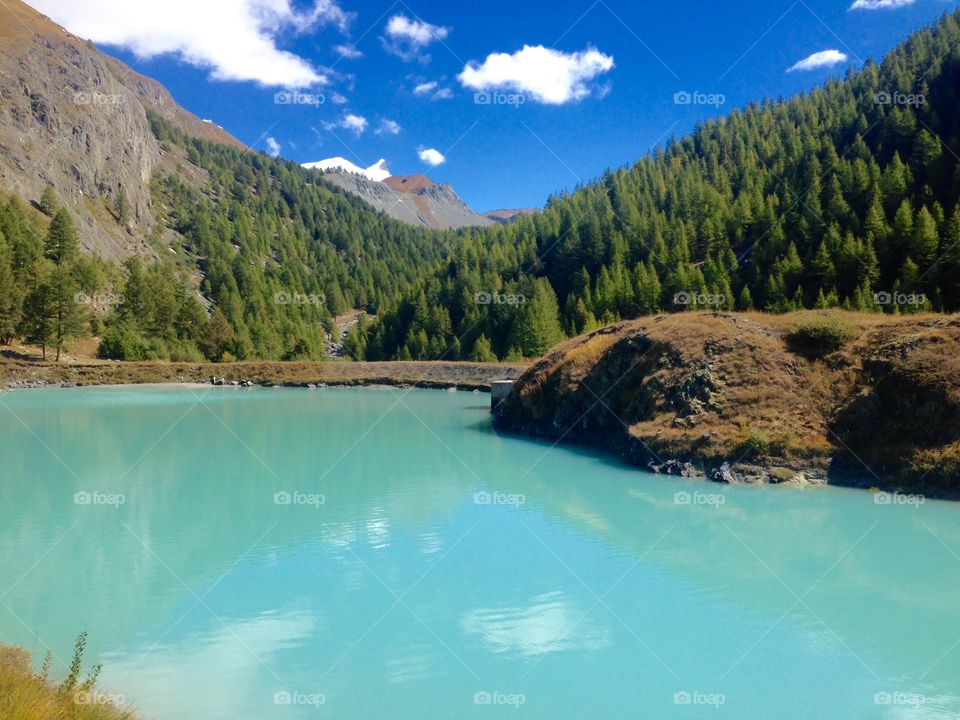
[(383, 553)]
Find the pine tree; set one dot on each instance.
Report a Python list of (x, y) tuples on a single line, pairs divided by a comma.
[(925, 240), (37, 325), (48, 201), (123, 208), (10, 296), (69, 317), (482, 351), (536, 327), (62, 245)]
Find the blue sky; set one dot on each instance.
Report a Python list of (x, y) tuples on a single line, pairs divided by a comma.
[(599, 83)]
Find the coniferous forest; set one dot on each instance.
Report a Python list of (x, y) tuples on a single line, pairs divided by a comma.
[(843, 197)]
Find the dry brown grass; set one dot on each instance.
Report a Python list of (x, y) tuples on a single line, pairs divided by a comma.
[(886, 403), (27, 695)]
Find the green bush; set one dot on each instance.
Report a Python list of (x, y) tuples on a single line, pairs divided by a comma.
[(820, 336), (757, 444), (121, 344)]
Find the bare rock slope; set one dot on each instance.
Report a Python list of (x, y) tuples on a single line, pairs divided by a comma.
[(413, 199), (76, 118)]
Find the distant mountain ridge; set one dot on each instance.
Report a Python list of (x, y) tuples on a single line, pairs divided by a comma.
[(413, 199)]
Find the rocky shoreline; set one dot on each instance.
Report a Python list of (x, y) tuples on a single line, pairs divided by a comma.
[(22, 374)]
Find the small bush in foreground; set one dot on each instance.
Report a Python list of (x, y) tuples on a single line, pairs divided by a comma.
[(820, 336)]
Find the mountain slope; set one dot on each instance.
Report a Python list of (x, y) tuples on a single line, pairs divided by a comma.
[(249, 256), (845, 196), (413, 199), (73, 117)]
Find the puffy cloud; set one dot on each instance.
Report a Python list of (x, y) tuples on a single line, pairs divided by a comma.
[(548, 76), (405, 38), (273, 147), (235, 39), (354, 123), (880, 4), (431, 156), (822, 59), (388, 127)]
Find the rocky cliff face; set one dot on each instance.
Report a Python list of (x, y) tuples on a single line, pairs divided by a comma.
[(724, 396), (413, 199), (75, 118)]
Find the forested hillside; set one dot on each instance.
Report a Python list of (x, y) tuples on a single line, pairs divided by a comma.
[(265, 254), (846, 196)]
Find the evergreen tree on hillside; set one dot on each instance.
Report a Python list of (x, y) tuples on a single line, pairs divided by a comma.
[(10, 295), (62, 245), (48, 201)]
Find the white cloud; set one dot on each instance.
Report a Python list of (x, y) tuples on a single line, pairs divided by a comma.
[(431, 156), (432, 90), (273, 147), (880, 4), (425, 88), (356, 124), (347, 52), (235, 39), (822, 59), (338, 99), (405, 38), (548, 76), (388, 127)]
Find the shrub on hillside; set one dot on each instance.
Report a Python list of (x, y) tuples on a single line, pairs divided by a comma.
[(820, 336)]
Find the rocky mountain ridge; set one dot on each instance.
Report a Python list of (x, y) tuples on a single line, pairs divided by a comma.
[(413, 199)]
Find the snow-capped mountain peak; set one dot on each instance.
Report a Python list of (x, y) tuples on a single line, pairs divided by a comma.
[(378, 171)]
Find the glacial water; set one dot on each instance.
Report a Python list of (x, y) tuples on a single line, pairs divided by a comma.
[(383, 553)]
